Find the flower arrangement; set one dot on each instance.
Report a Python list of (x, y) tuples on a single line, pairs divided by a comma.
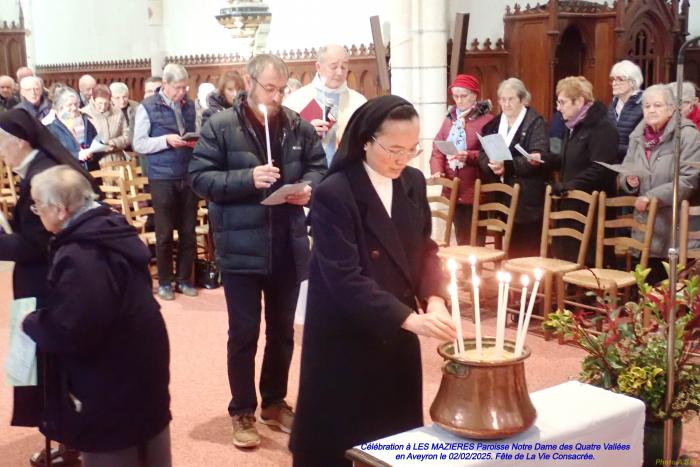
[(629, 355)]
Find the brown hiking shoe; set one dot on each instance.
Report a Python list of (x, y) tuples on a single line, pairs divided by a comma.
[(279, 415), (245, 435)]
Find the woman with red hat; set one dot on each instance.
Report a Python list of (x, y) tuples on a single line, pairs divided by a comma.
[(464, 120)]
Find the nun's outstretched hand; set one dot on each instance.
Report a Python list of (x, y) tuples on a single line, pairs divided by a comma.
[(436, 322)]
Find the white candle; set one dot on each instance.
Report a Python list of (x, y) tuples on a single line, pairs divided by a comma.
[(501, 316), (454, 298), (477, 314), (263, 109), (501, 287), (472, 262), (528, 315), (524, 281)]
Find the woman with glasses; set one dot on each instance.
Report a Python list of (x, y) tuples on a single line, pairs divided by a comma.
[(689, 101), (464, 120), (73, 128), (651, 149), (590, 138), (520, 125), (373, 264), (625, 110)]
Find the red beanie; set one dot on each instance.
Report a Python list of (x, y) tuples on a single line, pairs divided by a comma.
[(467, 82)]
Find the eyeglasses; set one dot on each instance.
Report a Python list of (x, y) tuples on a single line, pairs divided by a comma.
[(618, 79), (403, 153), (35, 208), (270, 89), (560, 102), (459, 97)]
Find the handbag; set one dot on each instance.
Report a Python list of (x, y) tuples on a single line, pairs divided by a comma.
[(206, 274)]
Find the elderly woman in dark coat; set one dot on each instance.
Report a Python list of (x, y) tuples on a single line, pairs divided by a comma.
[(101, 329), (651, 149), (28, 148), (520, 124), (591, 138), (372, 262), (73, 128)]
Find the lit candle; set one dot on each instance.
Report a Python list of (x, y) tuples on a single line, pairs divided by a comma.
[(477, 314), (501, 316), (263, 109), (530, 306), (454, 298), (524, 281)]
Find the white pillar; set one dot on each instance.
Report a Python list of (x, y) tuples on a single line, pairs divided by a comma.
[(419, 31), (29, 41), (157, 36)]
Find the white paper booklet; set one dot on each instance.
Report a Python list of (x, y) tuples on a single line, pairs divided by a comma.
[(280, 196), (20, 365), (495, 147)]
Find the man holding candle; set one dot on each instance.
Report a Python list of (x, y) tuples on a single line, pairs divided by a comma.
[(160, 122), (261, 250)]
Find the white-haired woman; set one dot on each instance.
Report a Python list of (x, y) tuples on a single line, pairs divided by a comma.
[(625, 110), (689, 101), (651, 148), (72, 128), (520, 124), (101, 330)]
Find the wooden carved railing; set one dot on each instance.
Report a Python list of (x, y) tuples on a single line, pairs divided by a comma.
[(208, 67), (13, 52)]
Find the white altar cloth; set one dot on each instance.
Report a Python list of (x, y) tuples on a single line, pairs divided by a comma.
[(606, 428)]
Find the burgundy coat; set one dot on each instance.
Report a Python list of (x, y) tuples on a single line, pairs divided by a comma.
[(470, 172)]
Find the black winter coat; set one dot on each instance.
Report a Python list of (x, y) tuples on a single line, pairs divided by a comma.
[(221, 171), (532, 136), (215, 103), (630, 116), (104, 337), (593, 139), (360, 372), (28, 247)]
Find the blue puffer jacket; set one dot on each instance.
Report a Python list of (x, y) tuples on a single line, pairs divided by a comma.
[(629, 118)]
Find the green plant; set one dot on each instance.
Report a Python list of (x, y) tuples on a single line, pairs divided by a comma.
[(628, 355)]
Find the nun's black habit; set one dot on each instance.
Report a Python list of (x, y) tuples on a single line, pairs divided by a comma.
[(360, 371), (27, 246)]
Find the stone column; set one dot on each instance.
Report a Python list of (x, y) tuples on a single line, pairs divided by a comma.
[(419, 31), (27, 18), (157, 36)]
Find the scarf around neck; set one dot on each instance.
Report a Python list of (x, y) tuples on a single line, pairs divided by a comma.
[(509, 133), (580, 115), (652, 137)]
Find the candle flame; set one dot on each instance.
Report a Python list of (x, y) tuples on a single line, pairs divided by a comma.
[(538, 274), (476, 281), (472, 260), (499, 276), (506, 276), (452, 265), (452, 288), (524, 280), (262, 108)]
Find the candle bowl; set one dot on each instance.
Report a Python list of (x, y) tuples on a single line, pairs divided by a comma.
[(483, 399)]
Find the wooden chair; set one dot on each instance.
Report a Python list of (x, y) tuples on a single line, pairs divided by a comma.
[(110, 184), (9, 186), (445, 209), (552, 267), (136, 206), (609, 280), (491, 216), (687, 212)]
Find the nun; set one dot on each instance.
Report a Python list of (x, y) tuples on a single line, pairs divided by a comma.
[(375, 284), (28, 148)]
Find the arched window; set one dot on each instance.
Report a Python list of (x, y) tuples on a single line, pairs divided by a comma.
[(643, 51)]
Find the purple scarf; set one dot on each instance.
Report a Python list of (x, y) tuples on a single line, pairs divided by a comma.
[(652, 138), (576, 119)]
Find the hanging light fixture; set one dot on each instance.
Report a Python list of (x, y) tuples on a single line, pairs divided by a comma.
[(244, 19)]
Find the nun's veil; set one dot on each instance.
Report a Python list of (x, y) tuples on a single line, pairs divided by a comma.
[(19, 123), (363, 124)]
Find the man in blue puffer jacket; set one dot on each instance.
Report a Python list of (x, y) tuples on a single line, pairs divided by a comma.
[(160, 122)]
